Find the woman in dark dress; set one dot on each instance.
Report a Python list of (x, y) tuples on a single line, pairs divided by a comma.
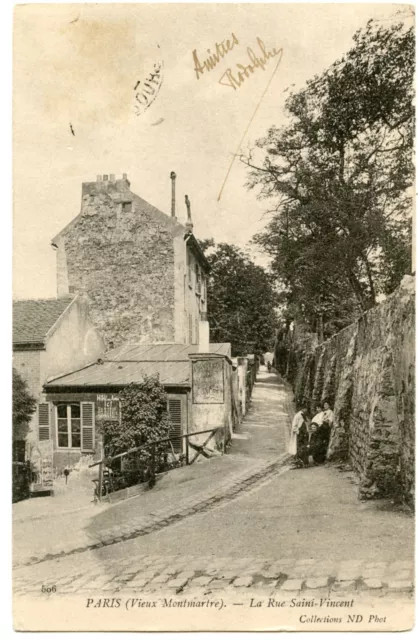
[(303, 437), (322, 436)]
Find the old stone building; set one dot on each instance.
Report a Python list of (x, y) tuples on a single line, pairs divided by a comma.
[(50, 338), (143, 272)]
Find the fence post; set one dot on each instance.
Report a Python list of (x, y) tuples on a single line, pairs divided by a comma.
[(100, 481), (187, 449)]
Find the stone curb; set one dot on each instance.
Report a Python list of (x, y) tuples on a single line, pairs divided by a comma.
[(254, 573)]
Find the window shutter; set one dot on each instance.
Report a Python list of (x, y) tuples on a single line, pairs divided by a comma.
[(87, 426), (174, 411), (43, 420)]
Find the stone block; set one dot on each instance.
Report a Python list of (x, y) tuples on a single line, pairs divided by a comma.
[(317, 583), (292, 585), (185, 575), (201, 581), (244, 581), (372, 583), (400, 585), (177, 583), (343, 585)]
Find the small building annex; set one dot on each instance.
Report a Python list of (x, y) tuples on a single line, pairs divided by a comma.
[(50, 338), (198, 386)]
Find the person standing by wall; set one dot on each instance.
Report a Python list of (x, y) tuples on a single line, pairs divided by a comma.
[(299, 438)]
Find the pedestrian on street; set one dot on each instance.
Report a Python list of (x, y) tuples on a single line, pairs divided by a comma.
[(299, 438), (322, 435)]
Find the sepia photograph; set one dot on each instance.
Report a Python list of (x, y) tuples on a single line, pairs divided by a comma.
[(213, 385)]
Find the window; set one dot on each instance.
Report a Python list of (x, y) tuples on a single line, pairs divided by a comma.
[(175, 413), (43, 421), (189, 268), (69, 426), (198, 280), (127, 207), (190, 329), (197, 331)]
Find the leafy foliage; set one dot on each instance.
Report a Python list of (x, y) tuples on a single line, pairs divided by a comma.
[(144, 419), (24, 406), (241, 300), (341, 175)]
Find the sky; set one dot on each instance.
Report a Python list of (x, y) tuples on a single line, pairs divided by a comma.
[(76, 74)]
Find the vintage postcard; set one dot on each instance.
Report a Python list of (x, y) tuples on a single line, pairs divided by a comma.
[(213, 317)]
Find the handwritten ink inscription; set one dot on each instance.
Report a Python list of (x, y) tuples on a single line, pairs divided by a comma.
[(147, 90), (234, 77)]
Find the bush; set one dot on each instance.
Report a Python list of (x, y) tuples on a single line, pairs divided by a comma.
[(144, 419)]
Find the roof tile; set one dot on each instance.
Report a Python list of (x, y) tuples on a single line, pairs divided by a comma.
[(32, 319)]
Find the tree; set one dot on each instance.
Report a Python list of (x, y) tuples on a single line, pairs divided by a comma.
[(241, 300), (24, 406), (341, 175), (144, 419)]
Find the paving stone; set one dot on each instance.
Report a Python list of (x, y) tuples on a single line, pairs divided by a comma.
[(349, 574), (292, 585), (400, 575), (317, 583), (343, 585), (185, 575), (373, 583), (219, 584), (400, 585), (177, 583), (244, 581), (164, 577), (201, 581), (228, 575)]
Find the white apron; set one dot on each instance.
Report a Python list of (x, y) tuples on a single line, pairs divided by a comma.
[(296, 425)]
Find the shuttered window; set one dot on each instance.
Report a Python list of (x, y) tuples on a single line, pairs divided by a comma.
[(174, 411), (69, 425), (190, 329), (43, 421), (87, 426)]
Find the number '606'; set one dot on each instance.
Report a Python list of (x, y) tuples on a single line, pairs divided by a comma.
[(52, 589)]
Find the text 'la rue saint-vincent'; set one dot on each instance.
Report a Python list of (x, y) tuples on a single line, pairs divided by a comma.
[(234, 78)]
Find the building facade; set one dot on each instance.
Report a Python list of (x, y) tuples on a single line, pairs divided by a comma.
[(50, 338), (199, 396), (143, 272)]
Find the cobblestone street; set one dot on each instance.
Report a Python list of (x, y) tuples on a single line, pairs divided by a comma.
[(263, 528)]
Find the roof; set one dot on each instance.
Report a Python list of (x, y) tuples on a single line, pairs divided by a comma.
[(163, 352), (114, 374), (34, 319), (130, 363)]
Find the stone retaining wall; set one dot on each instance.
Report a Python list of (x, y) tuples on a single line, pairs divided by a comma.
[(366, 372)]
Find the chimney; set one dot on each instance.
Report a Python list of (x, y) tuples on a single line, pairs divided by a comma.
[(189, 223), (105, 178), (99, 179), (173, 194), (112, 177), (124, 176)]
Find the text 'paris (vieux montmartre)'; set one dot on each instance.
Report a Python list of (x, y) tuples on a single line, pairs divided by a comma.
[(235, 76)]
